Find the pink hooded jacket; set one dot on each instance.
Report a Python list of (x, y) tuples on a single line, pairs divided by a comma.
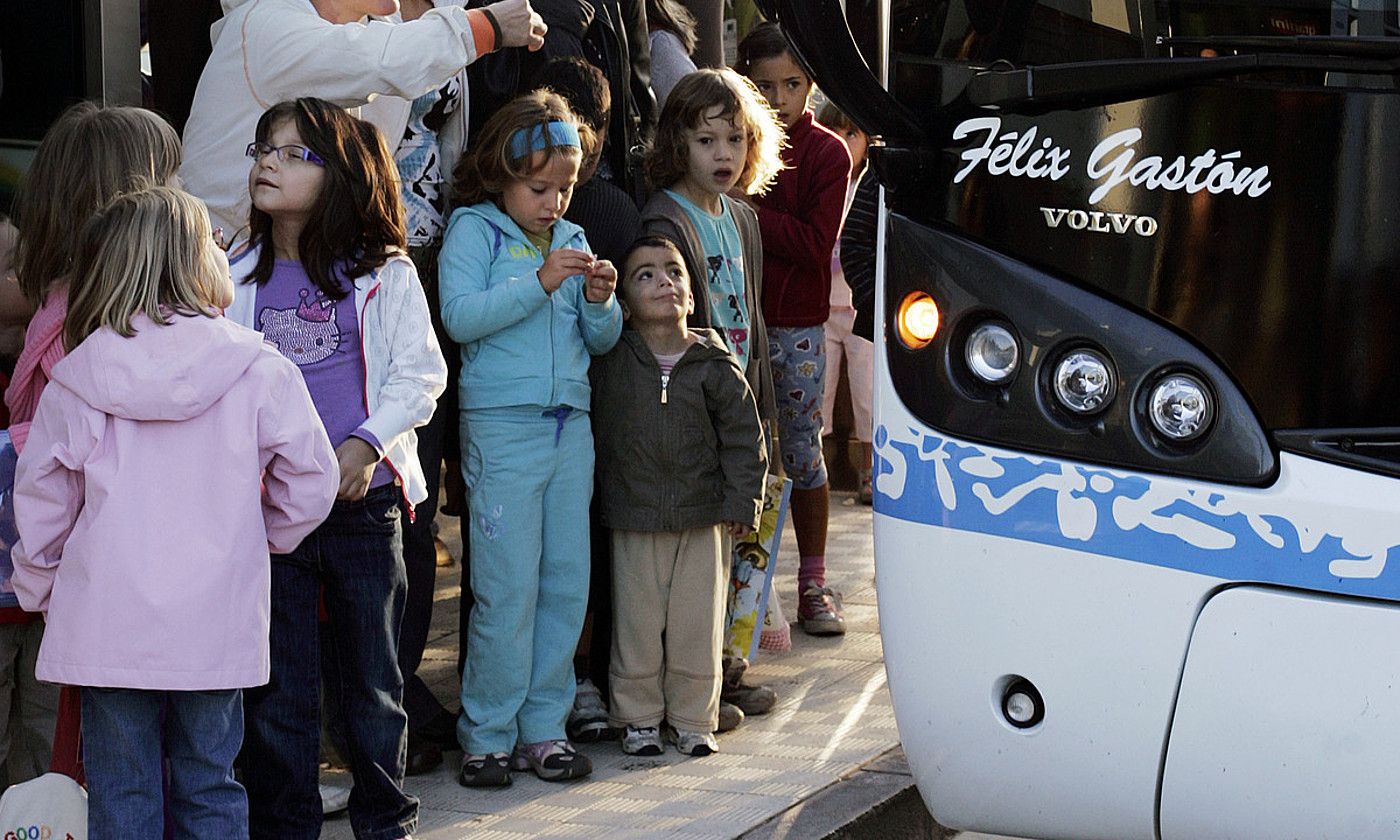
[(144, 534)]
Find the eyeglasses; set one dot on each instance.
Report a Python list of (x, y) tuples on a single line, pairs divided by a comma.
[(258, 151)]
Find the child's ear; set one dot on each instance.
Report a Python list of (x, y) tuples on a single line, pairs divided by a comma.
[(690, 304), (626, 314)]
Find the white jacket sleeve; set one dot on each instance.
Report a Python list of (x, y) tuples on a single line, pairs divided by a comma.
[(417, 372), (49, 492), (290, 55)]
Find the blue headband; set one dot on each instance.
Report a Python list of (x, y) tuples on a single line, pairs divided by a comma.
[(532, 139)]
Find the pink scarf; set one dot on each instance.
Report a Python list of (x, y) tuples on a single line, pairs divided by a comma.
[(43, 348)]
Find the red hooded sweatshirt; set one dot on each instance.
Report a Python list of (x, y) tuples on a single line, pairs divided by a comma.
[(800, 220)]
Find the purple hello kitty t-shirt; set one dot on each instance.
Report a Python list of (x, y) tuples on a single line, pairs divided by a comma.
[(322, 337)]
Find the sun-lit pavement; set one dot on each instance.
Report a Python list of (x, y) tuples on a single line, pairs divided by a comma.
[(833, 716)]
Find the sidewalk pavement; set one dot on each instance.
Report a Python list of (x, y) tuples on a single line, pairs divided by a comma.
[(833, 716)]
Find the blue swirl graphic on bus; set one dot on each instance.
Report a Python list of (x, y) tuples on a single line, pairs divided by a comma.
[(1245, 534)]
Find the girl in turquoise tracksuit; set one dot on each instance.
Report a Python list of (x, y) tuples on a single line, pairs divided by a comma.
[(524, 297)]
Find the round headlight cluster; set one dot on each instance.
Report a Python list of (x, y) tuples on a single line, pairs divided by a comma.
[(1083, 382), (1180, 407), (992, 353)]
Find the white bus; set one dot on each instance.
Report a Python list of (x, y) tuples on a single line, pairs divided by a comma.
[(1137, 493)]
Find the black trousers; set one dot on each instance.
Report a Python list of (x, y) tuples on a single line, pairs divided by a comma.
[(436, 441)]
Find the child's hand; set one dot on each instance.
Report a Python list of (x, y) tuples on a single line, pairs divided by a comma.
[(600, 281), (560, 265), (738, 530), (357, 460)]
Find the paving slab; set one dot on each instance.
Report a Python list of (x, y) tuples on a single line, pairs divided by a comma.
[(832, 726)]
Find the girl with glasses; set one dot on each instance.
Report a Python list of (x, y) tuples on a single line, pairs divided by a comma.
[(325, 279)]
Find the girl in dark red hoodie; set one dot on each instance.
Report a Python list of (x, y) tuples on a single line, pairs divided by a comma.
[(800, 220)]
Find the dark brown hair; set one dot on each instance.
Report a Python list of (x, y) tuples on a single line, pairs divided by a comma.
[(763, 42), (583, 86), (89, 156), (356, 223), (652, 240), (488, 168), (739, 102), (674, 18)]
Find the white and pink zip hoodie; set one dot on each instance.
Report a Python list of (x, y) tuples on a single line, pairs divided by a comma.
[(160, 472)]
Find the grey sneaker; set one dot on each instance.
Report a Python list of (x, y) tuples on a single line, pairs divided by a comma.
[(751, 699), (588, 719), (644, 740), (730, 716), (692, 743), (819, 611)]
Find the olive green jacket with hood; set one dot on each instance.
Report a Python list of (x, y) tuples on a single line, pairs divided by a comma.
[(687, 455), (663, 215)]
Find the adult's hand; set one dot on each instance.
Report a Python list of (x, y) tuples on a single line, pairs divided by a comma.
[(520, 25)]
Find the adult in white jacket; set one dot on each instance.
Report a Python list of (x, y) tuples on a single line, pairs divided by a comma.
[(267, 51)]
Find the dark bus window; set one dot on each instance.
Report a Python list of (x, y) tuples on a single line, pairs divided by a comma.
[(1028, 32), (52, 55), (42, 71), (1019, 31)]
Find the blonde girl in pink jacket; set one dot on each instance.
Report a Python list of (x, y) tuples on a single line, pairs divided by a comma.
[(90, 155), (171, 453)]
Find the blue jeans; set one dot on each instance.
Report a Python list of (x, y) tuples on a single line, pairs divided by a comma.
[(530, 478), (357, 555), (123, 730)]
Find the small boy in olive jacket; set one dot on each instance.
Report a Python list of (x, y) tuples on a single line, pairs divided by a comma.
[(681, 463)]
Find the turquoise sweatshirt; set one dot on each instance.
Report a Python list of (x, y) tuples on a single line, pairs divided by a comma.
[(520, 345)]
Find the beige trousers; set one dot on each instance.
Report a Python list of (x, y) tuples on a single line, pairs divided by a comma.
[(668, 627)]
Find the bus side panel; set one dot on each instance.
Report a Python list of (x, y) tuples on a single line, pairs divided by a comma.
[(1286, 723), (960, 613)]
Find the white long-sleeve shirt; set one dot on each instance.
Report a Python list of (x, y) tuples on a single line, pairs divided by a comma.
[(268, 51)]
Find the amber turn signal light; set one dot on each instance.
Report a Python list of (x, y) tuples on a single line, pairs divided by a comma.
[(917, 321)]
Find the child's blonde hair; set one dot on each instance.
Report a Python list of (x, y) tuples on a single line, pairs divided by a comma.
[(489, 167), (739, 102), (88, 156), (835, 119), (144, 253)]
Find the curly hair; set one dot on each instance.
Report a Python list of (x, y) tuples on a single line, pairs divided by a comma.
[(357, 222), (691, 101), (488, 167)]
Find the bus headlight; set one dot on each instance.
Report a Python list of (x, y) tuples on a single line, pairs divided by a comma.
[(992, 353), (1083, 382), (1180, 407), (917, 321)]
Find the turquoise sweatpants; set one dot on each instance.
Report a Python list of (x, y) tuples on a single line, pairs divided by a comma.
[(529, 473)]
